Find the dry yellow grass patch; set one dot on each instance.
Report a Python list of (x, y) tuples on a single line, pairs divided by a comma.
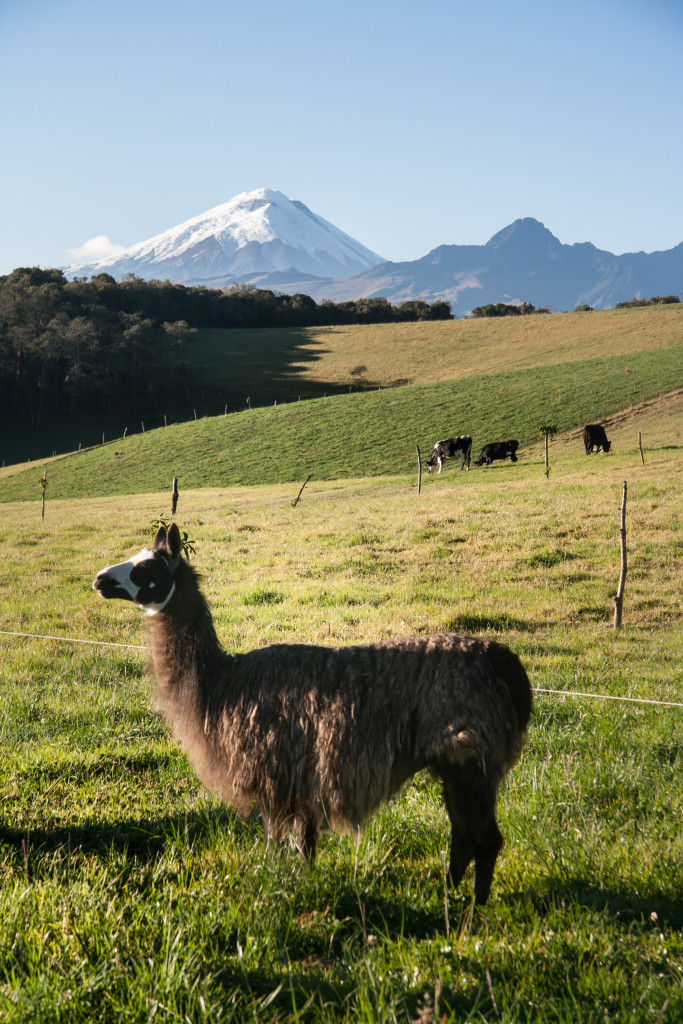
[(420, 353)]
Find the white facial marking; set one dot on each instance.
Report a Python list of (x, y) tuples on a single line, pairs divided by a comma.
[(141, 556), (120, 573)]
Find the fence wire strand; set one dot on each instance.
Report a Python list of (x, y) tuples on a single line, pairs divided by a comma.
[(536, 689)]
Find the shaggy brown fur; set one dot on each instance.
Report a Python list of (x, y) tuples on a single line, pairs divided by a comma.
[(319, 737)]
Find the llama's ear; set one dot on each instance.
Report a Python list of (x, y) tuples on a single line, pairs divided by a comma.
[(160, 539), (173, 541)]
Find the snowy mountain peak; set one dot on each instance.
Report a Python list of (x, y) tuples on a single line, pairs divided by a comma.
[(255, 232)]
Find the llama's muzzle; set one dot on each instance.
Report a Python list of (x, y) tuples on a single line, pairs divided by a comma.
[(108, 586)]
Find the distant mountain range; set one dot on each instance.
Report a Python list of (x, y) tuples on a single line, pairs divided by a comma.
[(264, 238)]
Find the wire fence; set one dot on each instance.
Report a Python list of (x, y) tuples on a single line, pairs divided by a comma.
[(536, 689)]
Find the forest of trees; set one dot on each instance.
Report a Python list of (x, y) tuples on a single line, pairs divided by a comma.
[(85, 346)]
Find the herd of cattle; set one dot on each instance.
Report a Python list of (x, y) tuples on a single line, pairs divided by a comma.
[(594, 438)]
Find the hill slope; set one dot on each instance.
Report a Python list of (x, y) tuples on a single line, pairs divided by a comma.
[(372, 433), (281, 365)]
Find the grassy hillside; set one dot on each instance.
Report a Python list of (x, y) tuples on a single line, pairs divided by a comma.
[(322, 358), (128, 894), (267, 366), (364, 434)]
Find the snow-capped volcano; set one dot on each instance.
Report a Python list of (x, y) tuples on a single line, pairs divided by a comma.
[(256, 232)]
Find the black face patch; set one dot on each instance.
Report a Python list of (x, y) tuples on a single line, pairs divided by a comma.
[(153, 578), (146, 579)]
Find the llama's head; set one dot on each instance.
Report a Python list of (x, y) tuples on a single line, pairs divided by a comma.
[(147, 578)]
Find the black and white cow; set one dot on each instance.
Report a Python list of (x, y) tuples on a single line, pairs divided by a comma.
[(497, 450), (448, 449), (594, 436)]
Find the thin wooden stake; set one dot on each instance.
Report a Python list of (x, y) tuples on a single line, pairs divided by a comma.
[(296, 500), (174, 496), (640, 448), (43, 484), (419, 469), (619, 599)]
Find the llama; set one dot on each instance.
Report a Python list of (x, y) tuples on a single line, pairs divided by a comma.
[(319, 737)]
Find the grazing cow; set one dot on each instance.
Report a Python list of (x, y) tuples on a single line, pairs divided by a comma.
[(448, 449), (497, 450), (594, 436)]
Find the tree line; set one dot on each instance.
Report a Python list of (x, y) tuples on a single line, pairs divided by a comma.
[(95, 345), (656, 300), (508, 309)]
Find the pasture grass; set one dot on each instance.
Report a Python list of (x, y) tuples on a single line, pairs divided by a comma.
[(128, 894), (229, 367), (356, 435), (420, 353), (281, 364)]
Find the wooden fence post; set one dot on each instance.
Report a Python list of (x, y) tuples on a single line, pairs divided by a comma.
[(548, 430), (174, 496), (296, 500), (640, 448), (419, 469), (43, 486), (619, 599)]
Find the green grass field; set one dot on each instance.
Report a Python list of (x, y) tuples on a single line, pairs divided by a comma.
[(366, 434), (227, 367), (129, 894)]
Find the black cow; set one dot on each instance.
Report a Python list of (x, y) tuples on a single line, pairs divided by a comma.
[(497, 450), (448, 449), (594, 436)]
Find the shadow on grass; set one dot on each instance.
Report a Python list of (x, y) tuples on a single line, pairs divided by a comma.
[(497, 623), (227, 369), (142, 840), (327, 991), (652, 910)]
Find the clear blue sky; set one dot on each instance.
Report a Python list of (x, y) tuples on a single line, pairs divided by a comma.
[(408, 125)]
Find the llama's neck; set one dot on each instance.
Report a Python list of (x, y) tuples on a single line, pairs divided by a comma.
[(185, 648)]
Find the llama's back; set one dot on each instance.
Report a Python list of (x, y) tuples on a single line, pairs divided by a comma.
[(339, 730)]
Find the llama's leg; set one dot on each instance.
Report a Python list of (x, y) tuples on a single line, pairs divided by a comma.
[(471, 804), (308, 841), (267, 828), (462, 850)]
